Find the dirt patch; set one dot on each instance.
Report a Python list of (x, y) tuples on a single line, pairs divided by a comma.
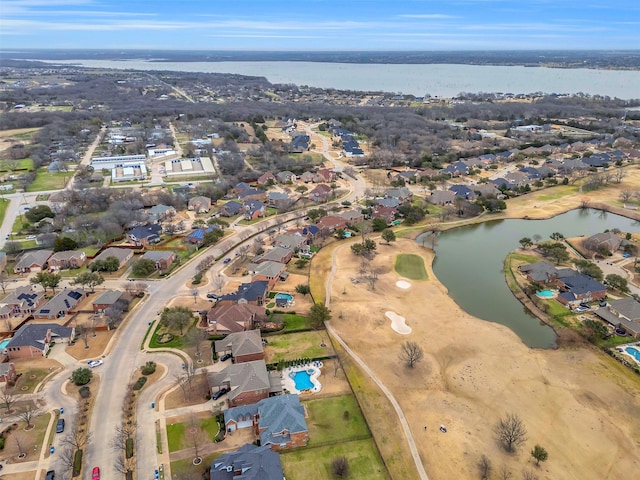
[(476, 371), (179, 397), (97, 345)]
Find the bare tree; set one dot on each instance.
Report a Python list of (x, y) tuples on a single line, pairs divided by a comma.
[(4, 281), (29, 413), (411, 353), (77, 438), (124, 434), (625, 195), (529, 475), (7, 400), (185, 382), (195, 436), (372, 277), (218, 283), (83, 331), (484, 466), (505, 473), (66, 457), (195, 337), (511, 431), (18, 439)]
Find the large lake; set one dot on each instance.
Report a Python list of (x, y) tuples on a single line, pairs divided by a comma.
[(440, 80), (469, 262)]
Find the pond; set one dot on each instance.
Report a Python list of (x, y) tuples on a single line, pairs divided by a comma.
[(469, 262)]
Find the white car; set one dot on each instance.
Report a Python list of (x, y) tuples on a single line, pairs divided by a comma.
[(94, 363), (30, 237)]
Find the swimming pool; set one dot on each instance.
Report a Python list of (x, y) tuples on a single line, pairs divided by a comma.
[(634, 352), (284, 296), (545, 293), (302, 379), (4, 343)]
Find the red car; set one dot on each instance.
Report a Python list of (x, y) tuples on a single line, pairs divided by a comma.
[(95, 475)]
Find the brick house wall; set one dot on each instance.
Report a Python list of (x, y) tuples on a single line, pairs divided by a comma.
[(247, 398), (249, 357), (298, 439)]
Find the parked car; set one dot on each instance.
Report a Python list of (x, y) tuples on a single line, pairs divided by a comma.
[(60, 425), (581, 310), (95, 474), (585, 305), (219, 393), (603, 303), (213, 295), (225, 357), (94, 363), (227, 260)]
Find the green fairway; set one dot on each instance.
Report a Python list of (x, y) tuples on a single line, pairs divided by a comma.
[(410, 266)]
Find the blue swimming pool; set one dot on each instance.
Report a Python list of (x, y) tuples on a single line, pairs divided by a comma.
[(284, 296), (4, 343), (634, 352), (302, 379), (545, 293)]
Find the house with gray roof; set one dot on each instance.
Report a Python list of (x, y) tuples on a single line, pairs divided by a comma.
[(61, 303), (540, 272), (608, 240), (35, 339), (159, 213), (249, 462), (123, 255), (253, 293), (279, 421), (33, 261), (441, 197), (624, 314), (67, 259), (279, 199), (580, 288), (243, 346), (22, 301), (231, 209), (162, 259), (286, 177), (276, 254), (199, 204), (269, 271), (291, 242), (247, 382), (105, 300)]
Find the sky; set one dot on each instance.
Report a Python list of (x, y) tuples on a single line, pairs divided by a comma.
[(321, 24)]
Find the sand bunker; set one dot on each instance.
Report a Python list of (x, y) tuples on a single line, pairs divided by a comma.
[(403, 284), (398, 324)]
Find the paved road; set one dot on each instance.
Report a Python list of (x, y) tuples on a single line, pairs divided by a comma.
[(396, 406)]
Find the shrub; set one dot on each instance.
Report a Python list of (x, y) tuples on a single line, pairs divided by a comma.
[(148, 368), (81, 376), (129, 447), (140, 383), (85, 392), (2, 442), (77, 463)]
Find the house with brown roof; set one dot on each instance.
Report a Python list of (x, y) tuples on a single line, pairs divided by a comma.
[(199, 204), (247, 382), (267, 178), (441, 197), (34, 261), (235, 317), (607, 240), (321, 193), (325, 175), (161, 258), (67, 260), (388, 214), (331, 223), (353, 217), (245, 346), (123, 255)]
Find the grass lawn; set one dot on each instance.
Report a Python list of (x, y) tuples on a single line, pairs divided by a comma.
[(46, 180), (556, 309), (176, 431), (558, 192), (524, 258), (184, 469), (296, 345), (410, 266), (4, 203), (363, 458), (178, 341), (29, 379), (22, 164), (292, 323), (335, 419)]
